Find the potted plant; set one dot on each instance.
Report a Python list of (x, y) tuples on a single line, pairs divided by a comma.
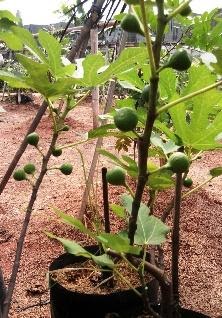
[(163, 119), (138, 244)]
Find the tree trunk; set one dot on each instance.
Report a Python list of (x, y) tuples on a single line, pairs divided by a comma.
[(80, 45)]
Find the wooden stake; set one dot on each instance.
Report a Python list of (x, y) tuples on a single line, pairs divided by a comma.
[(95, 91)]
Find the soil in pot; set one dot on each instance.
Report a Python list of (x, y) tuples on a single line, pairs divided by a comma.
[(97, 301), (93, 299)]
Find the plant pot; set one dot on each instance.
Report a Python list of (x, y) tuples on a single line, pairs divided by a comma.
[(126, 304), (69, 304)]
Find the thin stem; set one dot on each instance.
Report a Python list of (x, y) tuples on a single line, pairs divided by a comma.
[(170, 206), (144, 140), (189, 96), (20, 243), (55, 128), (176, 240), (197, 155), (129, 190), (197, 188), (23, 146), (85, 176), (2, 292), (129, 263), (40, 151), (148, 38), (178, 10)]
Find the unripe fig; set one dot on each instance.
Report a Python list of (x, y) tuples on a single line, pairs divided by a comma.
[(65, 128), (56, 152), (33, 139), (66, 168), (126, 119), (178, 162), (181, 60), (19, 175), (130, 23), (29, 168), (188, 182), (116, 176), (145, 95), (186, 11)]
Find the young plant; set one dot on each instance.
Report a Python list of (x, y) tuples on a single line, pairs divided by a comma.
[(194, 126)]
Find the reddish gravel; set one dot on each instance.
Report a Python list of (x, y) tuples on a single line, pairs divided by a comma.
[(201, 226)]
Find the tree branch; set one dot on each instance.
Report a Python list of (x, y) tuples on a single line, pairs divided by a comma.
[(20, 243)]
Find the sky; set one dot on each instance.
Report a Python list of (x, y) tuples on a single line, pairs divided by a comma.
[(41, 11)]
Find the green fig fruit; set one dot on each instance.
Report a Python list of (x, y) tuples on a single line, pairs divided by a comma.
[(186, 11), (29, 168), (56, 152), (130, 23), (116, 176), (19, 175), (126, 119), (188, 182), (66, 168), (145, 95), (181, 60), (33, 139), (178, 162)]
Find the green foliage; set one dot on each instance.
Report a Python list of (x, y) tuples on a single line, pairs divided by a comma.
[(205, 31), (216, 172), (192, 120), (73, 222), (118, 243), (150, 230), (161, 180), (118, 210)]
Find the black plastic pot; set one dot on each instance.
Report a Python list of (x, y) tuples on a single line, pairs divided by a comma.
[(69, 304)]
